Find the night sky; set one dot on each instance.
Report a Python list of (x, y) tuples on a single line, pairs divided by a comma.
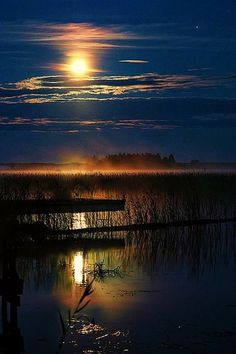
[(98, 77)]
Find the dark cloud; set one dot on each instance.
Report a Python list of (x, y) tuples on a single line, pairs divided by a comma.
[(161, 118), (80, 126)]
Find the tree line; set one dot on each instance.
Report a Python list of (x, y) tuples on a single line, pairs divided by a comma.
[(138, 160)]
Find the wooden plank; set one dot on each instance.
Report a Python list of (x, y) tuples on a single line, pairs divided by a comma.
[(52, 206)]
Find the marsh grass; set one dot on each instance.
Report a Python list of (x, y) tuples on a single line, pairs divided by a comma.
[(150, 198)]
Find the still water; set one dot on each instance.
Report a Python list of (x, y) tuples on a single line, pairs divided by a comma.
[(169, 291)]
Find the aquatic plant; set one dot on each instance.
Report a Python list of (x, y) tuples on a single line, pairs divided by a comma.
[(100, 272), (82, 303)]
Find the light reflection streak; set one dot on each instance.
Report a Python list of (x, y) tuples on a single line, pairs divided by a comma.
[(79, 268)]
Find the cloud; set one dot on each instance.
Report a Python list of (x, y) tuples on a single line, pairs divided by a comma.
[(67, 36), (199, 69), (59, 88), (68, 125), (134, 61)]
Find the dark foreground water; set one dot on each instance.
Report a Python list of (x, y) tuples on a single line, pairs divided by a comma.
[(170, 291)]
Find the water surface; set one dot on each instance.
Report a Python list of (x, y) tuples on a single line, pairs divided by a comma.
[(173, 291)]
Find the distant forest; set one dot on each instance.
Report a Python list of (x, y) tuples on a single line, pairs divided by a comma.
[(132, 161)]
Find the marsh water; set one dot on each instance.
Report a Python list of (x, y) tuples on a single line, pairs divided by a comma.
[(171, 290)]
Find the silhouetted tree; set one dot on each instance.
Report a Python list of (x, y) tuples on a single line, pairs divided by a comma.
[(172, 159)]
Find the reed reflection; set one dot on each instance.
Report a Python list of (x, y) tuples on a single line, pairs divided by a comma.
[(198, 249)]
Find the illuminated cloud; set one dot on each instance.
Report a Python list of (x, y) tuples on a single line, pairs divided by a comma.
[(67, 36), (59, 88), (134, 61)]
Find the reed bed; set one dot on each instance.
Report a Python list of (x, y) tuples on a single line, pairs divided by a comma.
[(150, 198)]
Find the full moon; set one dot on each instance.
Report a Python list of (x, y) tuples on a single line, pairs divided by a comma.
[(79, 66)]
